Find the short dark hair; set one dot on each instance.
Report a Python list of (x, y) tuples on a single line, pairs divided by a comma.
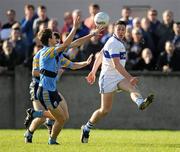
[(29, 6), (57, 35), (96, 6), (44, 36), (126, 8), (177, 22), (42, 7), (153, 10), (11, 11), (119, 22)]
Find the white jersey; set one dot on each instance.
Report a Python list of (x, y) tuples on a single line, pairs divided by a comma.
[(113, 48)]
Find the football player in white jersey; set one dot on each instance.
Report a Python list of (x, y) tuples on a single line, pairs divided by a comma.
[(113, 77)]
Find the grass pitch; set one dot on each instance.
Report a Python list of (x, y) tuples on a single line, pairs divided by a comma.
[(100, 141)]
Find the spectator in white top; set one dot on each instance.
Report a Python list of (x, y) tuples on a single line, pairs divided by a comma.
[(6, 28)]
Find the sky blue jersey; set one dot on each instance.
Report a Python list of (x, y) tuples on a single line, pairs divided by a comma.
[(48, 61), (36, 65)]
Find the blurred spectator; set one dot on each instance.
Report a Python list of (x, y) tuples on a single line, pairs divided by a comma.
[(128, 41), (176, 38), (42, 17), (136, 48), (146, 62), (136, 22), (83, 29), (6, 28), (19, 45), (154, 24), (42, 26), (93, 10), (68, 22), (128, 38), (8, 56), (27, 26), (53, 25), (91, 47), (126, 15), (109, 33), (169, 59), (165, 30), (145, 27)]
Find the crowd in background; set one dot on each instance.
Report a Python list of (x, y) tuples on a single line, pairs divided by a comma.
[(151, 44)]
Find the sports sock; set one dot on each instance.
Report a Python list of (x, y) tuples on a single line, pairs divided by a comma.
[(52, 140), (139, 101), (28, 133), (49, 122), (37, 114), (88, 126)]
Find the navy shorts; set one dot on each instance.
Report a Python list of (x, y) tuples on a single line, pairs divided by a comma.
[(49, 99), (33, 87)]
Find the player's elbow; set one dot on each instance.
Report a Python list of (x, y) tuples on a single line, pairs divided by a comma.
[(73, 67), (115, 65)]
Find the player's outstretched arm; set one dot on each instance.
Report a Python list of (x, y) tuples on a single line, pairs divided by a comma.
[(117, 65), (70, 37), (84, 39), (79, 65), (91, 78)]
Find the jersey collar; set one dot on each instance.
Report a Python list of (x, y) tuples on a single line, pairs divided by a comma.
[(117, 38)]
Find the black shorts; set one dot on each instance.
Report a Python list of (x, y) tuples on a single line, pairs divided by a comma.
[(49, 99), (33, 87)]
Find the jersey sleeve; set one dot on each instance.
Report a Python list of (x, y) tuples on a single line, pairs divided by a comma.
[(36, 62), (114, 50), (64, 62), (51, 52)]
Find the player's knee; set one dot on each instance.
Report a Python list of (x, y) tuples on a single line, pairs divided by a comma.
[(61, 120), (42, 119), (66, 118), (104, 112)]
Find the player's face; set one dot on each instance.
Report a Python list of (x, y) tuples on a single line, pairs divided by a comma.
[(119, 31), (52, 41)]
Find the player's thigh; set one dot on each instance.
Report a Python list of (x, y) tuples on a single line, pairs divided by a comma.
[(126, 86), (107, 101), (37, 105), (58, 113)]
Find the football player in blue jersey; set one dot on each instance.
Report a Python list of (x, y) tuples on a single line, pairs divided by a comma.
[(63, 110)]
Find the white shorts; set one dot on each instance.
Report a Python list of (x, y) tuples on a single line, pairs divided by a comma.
[(109, 83)]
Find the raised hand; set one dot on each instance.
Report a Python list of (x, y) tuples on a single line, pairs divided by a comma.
[(76, 22), (98, 30)]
